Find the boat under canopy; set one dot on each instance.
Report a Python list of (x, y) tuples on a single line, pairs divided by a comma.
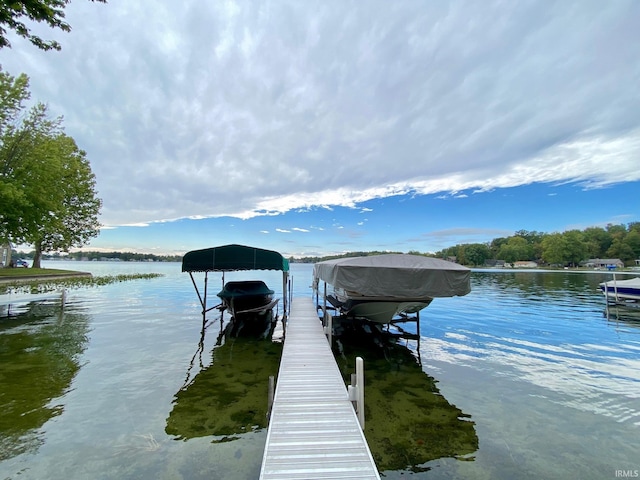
[(248, 296), (231, 258), (378, 287)]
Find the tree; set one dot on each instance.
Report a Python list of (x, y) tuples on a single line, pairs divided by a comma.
[(534, 239), (575, 247), (495, 246), (633, 241), (554, 249), (13, 92), (70, 218), (25, 182), (621, 250), (516, 248), (597, 241), (634, 227), (47, 188), (616, 231), (50, 12), (476, 254)]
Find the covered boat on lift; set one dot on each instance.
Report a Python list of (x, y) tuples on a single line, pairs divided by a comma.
[(251, 299), (246, 296), (621, 290), (381, 287)]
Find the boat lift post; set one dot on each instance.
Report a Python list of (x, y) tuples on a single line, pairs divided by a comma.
[(356, 390), (286, 290), (328, 328), (203, 297)]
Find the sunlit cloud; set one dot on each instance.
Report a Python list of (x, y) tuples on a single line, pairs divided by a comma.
[(210, 112)]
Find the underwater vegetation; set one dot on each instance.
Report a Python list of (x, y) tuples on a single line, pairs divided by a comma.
[(407, 421), (229, 397), (46, 285)]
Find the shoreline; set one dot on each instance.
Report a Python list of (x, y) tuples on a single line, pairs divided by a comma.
[(42, 276)]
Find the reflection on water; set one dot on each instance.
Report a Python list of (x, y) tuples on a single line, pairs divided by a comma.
[(228, 397), (408, 422), (550, 383), (628, 316), (40, 351), (544, 383)]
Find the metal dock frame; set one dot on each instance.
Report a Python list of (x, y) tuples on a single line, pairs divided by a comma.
[(314, 431)]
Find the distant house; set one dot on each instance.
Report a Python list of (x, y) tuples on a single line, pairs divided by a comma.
[(608, 263), (525, 264), (491, 262)]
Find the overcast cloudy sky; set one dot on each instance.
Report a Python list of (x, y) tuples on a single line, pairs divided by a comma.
[(319, 127)]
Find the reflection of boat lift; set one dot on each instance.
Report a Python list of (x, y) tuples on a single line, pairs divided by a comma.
[(627, 314), (226, 328), (622, 300)]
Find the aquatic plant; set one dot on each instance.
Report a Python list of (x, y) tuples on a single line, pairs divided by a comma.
[(408, 422), (46, 285)]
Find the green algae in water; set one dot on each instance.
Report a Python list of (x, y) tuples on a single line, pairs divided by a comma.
[(407, 421), (229, 397), (47, 285)]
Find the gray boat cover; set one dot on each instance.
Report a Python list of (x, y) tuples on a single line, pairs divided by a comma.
[(395, 275)]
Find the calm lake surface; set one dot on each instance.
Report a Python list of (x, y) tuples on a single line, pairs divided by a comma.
[(119, 382)]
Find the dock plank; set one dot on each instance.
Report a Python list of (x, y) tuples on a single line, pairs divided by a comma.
[(314, 432)]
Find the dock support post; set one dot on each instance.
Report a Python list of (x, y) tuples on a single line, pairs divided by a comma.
[(328, 327), (324, 301), (356, 390), (272, 389)]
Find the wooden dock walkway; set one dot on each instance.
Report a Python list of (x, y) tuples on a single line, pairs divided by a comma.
[(314, 432)]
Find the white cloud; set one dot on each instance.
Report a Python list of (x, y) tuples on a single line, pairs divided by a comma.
[(249, 109)]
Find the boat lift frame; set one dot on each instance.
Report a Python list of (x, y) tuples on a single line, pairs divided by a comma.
[(228, 258)]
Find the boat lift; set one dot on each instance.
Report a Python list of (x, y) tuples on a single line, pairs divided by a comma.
[(229, 258)]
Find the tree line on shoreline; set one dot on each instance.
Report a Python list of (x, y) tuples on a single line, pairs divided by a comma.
[(568, 248), (93, 256)]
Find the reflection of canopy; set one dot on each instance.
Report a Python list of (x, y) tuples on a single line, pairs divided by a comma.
[(233, 257), (395, 275)]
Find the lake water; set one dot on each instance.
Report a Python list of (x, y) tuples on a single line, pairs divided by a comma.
[(529, 378)]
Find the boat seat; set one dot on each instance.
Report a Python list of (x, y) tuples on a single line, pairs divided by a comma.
[(334, 301)]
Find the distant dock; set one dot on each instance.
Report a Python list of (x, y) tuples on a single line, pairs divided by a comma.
[(314, 432)]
